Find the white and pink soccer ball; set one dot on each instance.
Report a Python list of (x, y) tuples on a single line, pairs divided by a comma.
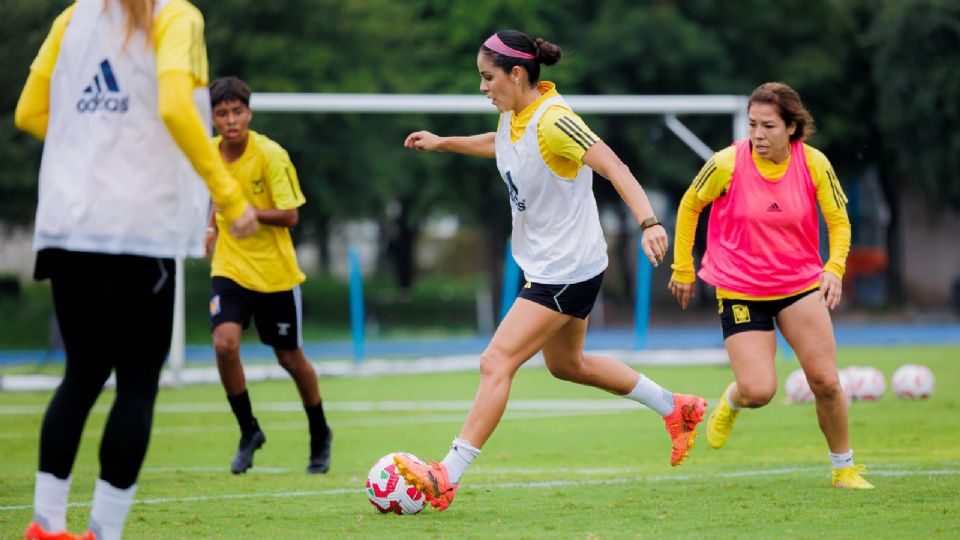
[(797, 388), (912, 381), (863, 383), (389, 492)]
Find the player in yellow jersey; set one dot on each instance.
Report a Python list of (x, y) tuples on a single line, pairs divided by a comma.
[(258, 277)]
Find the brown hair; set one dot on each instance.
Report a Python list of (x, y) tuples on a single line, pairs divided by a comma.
[(139, 17), (788, 104), (544, 52)]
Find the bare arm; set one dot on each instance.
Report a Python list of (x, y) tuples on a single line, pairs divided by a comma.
[(278, 218), (601, 158), (481, 145)]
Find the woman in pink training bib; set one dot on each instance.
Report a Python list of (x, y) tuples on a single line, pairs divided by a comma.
[(546, 156), (763, 257)]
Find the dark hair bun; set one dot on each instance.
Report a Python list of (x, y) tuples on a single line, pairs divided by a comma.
[(546, 53)]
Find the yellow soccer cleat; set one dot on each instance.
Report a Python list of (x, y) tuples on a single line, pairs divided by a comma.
[(849, 478), (720, 423)]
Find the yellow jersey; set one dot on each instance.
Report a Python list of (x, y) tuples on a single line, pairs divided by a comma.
[(563, 137), (266, 260)]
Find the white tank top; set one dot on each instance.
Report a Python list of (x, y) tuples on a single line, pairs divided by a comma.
[(112, 179), (556, 229)]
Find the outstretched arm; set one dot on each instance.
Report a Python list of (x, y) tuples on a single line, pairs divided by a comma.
[(603, 160), (481, 145)]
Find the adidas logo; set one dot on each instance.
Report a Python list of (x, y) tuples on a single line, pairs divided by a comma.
[(774, 208), (103, 93)]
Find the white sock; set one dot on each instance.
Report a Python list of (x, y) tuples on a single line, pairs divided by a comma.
[(730, 403), (110, 508), (50, 501), (652, 395), (460, 457), (841, 461)]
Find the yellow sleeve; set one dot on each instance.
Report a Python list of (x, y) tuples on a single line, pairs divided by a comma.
[(833, 204), (712, 181), (47, 56), (178, 40), (178, 112), (284, 184), (33, 107), (566, 134)]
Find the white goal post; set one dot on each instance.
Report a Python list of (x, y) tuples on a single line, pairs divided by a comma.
[(668, 106)]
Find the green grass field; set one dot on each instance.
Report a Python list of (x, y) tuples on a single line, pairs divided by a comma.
[(552, 470)]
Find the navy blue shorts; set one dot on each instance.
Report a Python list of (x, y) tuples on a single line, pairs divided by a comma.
[(745, 315), (574, 299)]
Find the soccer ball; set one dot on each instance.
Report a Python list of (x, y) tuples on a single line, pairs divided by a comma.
[(797, 388), (912, 381), (869, 383), (389, 492)]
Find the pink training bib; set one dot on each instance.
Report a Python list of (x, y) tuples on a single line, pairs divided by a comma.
[(763, 237)]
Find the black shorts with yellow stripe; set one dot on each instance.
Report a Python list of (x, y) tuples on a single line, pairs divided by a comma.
[(745, 315)]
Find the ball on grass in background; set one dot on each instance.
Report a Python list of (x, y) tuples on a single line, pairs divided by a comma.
[(797, 388), (389, 492), (870, 384), (912, 381)]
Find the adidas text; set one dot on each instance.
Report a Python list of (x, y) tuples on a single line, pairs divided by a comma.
[(99, 102)]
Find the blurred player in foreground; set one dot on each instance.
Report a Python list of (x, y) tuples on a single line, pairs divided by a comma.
[(763, 257), (112, 92)]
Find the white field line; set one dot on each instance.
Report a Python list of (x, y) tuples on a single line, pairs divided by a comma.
[(805, 471), (523, 413), (360, 406)]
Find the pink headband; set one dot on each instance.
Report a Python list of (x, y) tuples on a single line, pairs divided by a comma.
[(495, 44)]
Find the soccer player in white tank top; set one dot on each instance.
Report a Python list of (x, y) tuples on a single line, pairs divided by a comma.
[(107, 68), (558, 243)]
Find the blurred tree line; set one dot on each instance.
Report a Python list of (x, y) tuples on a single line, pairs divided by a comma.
[(880, 77)]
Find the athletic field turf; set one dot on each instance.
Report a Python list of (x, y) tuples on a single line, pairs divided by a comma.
[(566, 462)]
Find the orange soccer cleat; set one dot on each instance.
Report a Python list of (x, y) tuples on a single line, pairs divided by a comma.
[(36, 532), (682, 425), (431, 480)]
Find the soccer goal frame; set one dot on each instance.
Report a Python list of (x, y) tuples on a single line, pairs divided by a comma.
[(669, 106)]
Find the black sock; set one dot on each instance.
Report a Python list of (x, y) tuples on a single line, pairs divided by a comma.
[(318, 422), (244, 413)]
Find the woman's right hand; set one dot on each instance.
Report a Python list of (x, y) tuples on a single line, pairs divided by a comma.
[(683, 292), (423, 141)]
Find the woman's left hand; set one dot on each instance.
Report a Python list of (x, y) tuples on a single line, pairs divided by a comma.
[(831, 289), (655, 244)]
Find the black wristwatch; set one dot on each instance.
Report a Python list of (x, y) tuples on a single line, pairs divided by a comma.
[(649, 222)]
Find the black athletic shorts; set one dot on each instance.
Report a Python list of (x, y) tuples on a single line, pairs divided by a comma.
[(744, 315), (575, 299), (278, 315)]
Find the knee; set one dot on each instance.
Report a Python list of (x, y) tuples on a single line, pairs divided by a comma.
[(226, 346), (825, 386), (288, 360), (571, 371), (494, 365), (754, 395)]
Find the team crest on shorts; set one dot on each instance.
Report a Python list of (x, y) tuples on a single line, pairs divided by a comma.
[(215, 305), (741, 314)]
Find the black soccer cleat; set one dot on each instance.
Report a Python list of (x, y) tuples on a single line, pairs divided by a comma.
[(320, 454), (249, 444)]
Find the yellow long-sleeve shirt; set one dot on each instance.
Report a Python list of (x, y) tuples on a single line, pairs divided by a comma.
[(181, 67), (714, 180)]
